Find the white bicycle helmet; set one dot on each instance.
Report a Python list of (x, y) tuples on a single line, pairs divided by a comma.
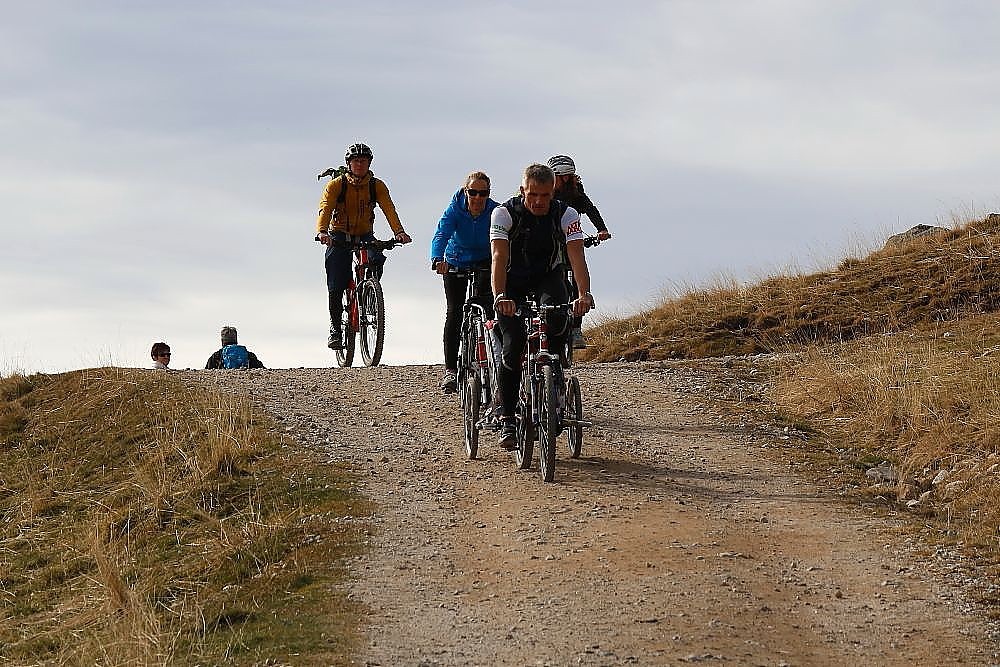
[(357, 150), (562, 165)]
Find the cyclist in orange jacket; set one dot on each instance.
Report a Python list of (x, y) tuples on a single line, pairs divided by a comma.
[(347, 213)]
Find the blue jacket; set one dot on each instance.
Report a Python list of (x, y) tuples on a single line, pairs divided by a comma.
[(460, 239)]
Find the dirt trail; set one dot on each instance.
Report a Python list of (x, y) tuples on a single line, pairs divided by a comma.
[(683, 535)]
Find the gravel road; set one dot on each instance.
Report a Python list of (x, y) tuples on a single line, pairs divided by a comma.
[(686, 533)]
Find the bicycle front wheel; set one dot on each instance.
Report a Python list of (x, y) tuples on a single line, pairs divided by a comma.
[(525, 426), (345, 354), (548, 427), (574, 415), (371, 321), (472, 393), (466, 356)]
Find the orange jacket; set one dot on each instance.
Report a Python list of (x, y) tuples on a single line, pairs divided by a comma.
[(356, 214)]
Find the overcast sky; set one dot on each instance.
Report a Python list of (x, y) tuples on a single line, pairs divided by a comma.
[(158, 161)]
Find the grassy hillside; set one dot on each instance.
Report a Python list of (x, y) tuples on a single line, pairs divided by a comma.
[(931, 279), (148, 522), (895, 358)]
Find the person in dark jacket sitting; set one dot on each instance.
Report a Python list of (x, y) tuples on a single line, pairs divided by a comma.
[(462, 241), (232, 354)]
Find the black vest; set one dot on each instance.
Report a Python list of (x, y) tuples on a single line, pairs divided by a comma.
[(537, 243)]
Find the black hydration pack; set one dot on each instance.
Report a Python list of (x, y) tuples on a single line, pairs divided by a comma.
[(537, 243)]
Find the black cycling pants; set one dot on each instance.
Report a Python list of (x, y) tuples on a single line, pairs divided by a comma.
[(551, 290)]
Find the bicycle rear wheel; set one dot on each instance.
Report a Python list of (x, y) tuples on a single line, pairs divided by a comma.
[(345, 354), (574, 415), (371, 321), (548, 427), (472, 393)]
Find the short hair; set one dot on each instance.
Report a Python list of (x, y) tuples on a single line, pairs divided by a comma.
[(476, 176), (228, 335), (539, 173), (158, 349)]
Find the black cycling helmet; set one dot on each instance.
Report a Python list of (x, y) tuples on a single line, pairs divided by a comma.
[(562, 165), (357, 150)]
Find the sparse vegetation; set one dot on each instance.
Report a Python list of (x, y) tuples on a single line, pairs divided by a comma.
[(897, 359), (932, 279), (149, 522)]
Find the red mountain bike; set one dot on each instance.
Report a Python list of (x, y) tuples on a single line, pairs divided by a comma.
[(363, 317)]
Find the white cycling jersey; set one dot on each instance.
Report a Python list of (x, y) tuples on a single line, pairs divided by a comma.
[(501, 222)]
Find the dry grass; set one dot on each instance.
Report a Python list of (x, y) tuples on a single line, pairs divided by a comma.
[(898, 360), (937, 278), (147, 522), (928, 401)]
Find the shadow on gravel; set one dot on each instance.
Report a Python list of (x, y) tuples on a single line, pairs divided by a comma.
[(635, 425), (595, 472)]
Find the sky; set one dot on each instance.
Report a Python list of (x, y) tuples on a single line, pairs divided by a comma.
[(158, 161)]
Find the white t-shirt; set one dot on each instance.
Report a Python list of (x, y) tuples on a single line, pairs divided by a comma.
[(500, 224)]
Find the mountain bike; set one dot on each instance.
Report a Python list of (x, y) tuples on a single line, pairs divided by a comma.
[(548, 403), (363, 316), (588, 242), (477, 363)]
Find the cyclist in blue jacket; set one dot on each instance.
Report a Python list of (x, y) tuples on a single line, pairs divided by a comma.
[(462, 240)]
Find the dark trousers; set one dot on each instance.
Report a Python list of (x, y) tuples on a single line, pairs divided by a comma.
[(550, 289), (454, 294), (338, 260)]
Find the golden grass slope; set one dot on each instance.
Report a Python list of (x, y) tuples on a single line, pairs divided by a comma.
[(930, 279), (151, 522)]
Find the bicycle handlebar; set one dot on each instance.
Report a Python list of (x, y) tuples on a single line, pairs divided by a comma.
[(467, 272), (374, 244), (529, 308), (591, 241)]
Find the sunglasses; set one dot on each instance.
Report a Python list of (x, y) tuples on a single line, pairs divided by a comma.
[(478, 193)]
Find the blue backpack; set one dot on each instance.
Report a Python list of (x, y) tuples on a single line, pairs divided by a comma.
[(235, 356)]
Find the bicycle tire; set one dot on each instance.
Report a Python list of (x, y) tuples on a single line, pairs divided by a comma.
[(548, 426), (465, 359), (525, 427), (345, 354), (371, 321), (472, 395), (574, 411)]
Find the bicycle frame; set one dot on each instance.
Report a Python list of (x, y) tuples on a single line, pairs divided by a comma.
[(360, 274)]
